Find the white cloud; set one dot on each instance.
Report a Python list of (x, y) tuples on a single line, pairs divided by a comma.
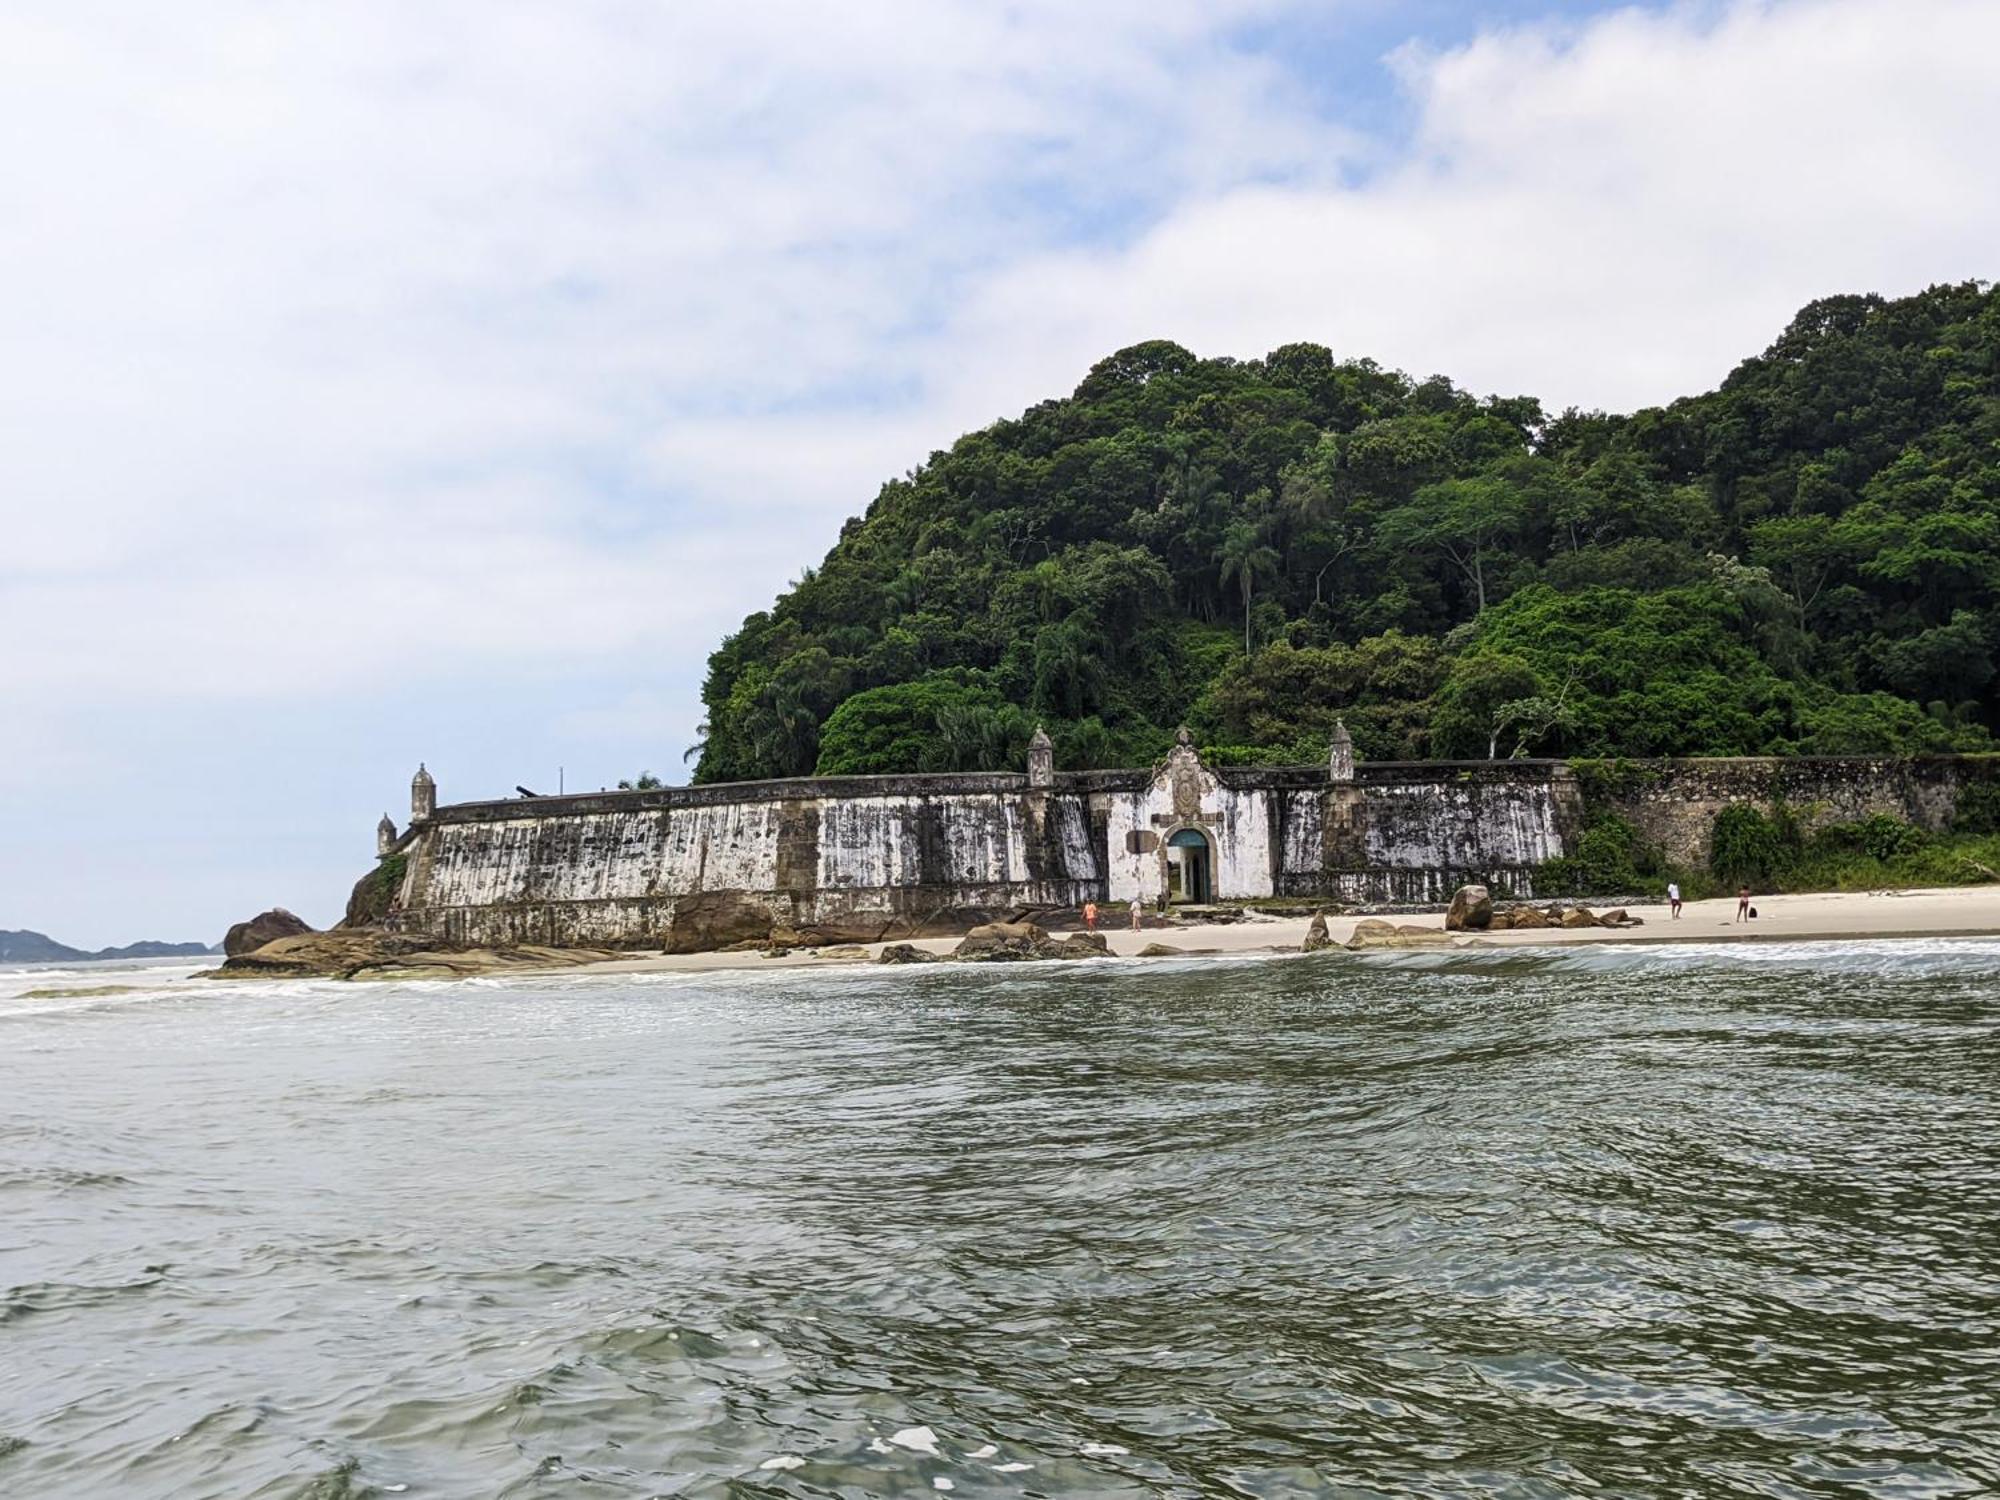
[(1610, 214), (467, 326)]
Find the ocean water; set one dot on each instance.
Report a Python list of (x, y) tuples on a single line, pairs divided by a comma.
[(1651, 1222)]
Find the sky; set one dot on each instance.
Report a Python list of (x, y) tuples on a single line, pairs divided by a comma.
[(386, 383)]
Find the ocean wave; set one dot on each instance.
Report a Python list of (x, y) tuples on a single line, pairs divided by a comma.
[(1916, 957)]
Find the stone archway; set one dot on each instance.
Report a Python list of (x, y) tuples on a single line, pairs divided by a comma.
[(1188, 854)]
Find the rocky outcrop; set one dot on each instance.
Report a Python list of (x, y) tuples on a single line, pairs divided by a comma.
[(1316, 935), (1003, 942), (882, 925), (375, 893), (388, 955), (709, 920), (1520, 918), (265, 927), (1000, 942), (1161, 950), (1375, 933), (1471, 910)]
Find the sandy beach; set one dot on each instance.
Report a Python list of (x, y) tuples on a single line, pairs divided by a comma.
[(1960, 911)]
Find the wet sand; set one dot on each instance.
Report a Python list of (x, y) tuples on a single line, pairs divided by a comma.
[(1959, 911)]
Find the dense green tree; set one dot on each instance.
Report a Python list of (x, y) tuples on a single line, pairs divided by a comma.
[(1286, 699), (1467, 520), (1804, 559), (946, 721)]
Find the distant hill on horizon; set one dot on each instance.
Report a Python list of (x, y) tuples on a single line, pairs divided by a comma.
[(24, 947)]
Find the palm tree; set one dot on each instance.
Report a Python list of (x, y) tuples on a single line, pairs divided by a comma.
[(1245, 557)]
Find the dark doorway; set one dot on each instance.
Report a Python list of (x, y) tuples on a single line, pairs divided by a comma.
[(1190, 868)]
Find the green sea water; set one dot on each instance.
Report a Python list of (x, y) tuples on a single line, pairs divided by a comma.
[(1651, 1222)]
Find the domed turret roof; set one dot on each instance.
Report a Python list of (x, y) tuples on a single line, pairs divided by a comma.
[(423, 777)]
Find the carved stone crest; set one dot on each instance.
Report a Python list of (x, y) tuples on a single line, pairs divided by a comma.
[(1184, 775)]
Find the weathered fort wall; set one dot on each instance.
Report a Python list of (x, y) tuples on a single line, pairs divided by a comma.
[(1673, 803), (848, 858), (840, 856)]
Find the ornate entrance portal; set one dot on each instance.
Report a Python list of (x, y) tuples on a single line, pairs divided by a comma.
[(1190, 868)]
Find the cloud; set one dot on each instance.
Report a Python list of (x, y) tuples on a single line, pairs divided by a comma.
[(457, 328), (1608, 214)]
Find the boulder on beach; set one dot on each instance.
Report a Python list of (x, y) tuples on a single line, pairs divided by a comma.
[(1160, 950), (1471, 909), (1316, 935), (907, 953), (1026, 932), (1375, 933), (265, 927), (1620, 918), (1579, 916), (1001, 942), (1523, 918)]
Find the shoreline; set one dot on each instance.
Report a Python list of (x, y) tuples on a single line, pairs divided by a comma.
[(1833, 916), (1955, 912)]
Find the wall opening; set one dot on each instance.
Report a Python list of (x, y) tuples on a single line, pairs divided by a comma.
[(1190, 868)]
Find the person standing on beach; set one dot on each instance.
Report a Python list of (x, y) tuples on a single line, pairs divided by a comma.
[(1674, 898), (1090, 916), (1138, 913), (1743, 903)]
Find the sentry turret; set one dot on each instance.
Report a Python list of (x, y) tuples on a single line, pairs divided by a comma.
[(423, 795), (1340, 756), (1041, 760)]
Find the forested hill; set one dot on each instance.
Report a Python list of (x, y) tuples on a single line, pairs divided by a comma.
[(1802, 561)]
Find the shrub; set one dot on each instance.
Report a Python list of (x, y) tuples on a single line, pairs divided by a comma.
[(1747, 848), (1978, 808), (1879, 837), (1610, 859), (1602, 781)]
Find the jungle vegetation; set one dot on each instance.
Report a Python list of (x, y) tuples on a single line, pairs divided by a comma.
[(1805, 560)]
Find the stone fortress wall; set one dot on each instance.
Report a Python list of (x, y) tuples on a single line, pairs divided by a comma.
[(1673, 803), (866, 857)]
